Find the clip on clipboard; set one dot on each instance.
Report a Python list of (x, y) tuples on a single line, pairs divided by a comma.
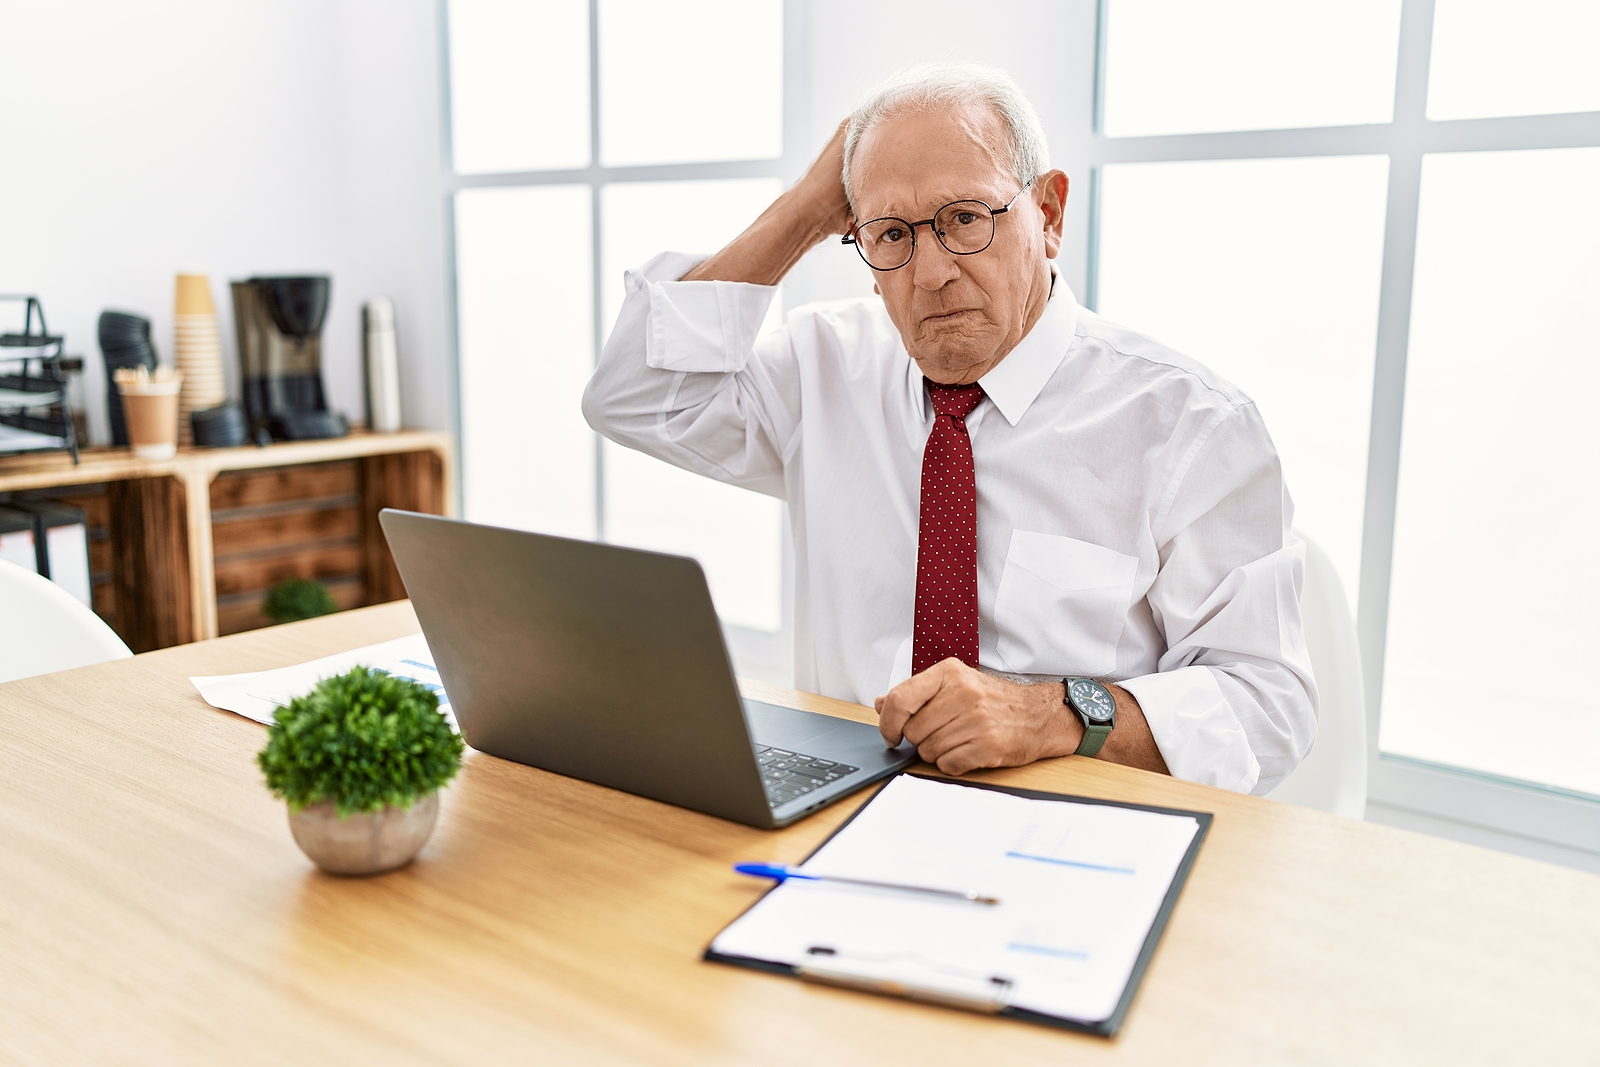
[(1085, 887)]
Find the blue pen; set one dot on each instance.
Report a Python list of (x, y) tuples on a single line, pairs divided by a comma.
[(781, 873)]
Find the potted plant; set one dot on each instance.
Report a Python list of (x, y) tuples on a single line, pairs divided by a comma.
[(360, 760), (296, 599)]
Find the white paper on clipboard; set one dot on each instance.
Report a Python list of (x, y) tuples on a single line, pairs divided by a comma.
[(1080, 887)]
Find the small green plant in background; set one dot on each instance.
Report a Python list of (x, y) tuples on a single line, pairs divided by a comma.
[(364, 740), (296, 599)]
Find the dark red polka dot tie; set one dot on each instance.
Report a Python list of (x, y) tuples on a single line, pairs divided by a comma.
[(947, 536)]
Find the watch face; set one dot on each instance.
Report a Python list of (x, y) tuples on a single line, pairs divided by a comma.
[(1092, 699)]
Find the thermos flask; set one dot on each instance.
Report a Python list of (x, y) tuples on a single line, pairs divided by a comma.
[(382, 359)]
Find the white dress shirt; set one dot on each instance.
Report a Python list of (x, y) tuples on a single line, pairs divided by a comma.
[(1133, 522)]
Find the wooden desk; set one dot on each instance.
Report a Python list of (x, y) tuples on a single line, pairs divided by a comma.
[(153, 909)]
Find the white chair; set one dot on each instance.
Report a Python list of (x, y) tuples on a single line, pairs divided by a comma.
[(44, 628), (1333, 776)]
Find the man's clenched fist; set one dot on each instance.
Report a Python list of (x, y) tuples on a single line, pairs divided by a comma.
[(961, 719)]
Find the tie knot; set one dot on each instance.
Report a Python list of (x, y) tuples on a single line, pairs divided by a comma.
[(956, 400)]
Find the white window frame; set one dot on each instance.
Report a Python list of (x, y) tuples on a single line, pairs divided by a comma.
[(768, 656), (1404, 786)]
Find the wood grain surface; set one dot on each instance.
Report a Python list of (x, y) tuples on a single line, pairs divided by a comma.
[(154, 910), (163, 583), (409, 481), (307, 481), (151, 572), (44, 470), (257, 572), (296, 523), (243, 611)]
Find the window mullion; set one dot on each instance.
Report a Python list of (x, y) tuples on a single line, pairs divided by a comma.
[(596, 264), (1411, 68), (1389, 364)]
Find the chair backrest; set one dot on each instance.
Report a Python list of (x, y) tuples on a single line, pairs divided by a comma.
[(1333, 776), (43, 628)]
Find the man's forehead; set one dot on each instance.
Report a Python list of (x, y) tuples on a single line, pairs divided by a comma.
[(918, 160)]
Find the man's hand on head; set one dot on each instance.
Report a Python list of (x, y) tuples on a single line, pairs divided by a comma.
[(823, 184), (961, 719), (814, 209)]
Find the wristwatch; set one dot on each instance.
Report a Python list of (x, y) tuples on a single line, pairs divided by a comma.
[(1096, 707)]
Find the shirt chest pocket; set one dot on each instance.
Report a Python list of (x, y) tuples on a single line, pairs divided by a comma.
[(1062, 605)]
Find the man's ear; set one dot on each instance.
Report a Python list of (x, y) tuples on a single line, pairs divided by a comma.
[(1050, 193)]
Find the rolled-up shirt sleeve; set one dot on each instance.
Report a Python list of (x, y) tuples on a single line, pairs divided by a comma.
[(1233, 703), (683, 377)]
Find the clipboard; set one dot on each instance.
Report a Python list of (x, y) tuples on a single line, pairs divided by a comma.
[(975, 997)]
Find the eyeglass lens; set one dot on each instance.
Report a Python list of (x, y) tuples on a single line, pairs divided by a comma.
[(964, 227)]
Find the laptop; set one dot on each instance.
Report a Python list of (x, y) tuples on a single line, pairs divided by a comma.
[(608, 664)]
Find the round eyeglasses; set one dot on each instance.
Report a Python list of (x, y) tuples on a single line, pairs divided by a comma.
[(964, 227)]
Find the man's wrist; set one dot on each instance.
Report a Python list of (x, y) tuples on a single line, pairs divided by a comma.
[(1067, 734), (812, 211), (790, 227)]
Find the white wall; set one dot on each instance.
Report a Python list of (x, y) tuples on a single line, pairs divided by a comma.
[(391, 122), (275, 136), (248, 137)]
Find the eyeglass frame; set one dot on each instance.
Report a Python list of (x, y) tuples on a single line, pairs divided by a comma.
[(994, 212)]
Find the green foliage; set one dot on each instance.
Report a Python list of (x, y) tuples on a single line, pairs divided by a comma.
[(363, 740), (298, 598)]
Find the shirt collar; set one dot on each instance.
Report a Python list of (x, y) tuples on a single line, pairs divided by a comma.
[(1017, 380)]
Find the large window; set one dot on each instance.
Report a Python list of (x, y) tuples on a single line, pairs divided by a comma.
[(586, 136), (1495, 570), (1380, 218)]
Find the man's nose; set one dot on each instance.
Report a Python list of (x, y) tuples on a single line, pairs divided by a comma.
[(933, 266)]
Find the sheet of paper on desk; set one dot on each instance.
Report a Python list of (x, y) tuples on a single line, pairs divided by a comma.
[(1079, 886), (256, 696)]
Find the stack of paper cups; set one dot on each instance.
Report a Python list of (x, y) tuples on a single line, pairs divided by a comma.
[(197, 351)]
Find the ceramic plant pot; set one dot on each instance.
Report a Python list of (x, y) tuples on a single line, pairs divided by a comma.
[(367, 843)]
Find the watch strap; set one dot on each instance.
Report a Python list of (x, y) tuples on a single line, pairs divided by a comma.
[(1094, 735), (1094, 732)]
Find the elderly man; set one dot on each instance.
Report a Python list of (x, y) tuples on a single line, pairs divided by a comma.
[(1033, 532)]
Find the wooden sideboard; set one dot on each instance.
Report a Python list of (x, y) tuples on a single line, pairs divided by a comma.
[(183, 549)]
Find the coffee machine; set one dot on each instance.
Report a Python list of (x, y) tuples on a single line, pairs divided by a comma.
[(279, 321)]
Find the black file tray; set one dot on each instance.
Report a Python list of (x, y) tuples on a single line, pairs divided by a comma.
[(33, 388), (1106, 1028)]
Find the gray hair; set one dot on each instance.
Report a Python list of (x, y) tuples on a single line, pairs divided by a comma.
[(935, 86)]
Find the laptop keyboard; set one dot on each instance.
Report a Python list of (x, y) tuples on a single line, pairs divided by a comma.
[(791, 775)]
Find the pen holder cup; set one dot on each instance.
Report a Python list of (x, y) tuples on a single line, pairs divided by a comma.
[(150, 410)]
